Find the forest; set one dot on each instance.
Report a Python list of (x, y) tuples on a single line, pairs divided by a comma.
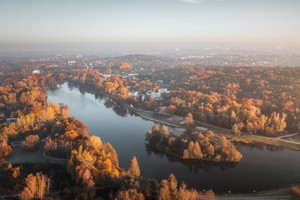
[(92, 165), (263, 101), (259, 101)]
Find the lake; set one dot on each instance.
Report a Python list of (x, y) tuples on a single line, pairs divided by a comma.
[(261, 168)]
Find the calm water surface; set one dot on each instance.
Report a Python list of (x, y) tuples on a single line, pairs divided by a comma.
[(261, 168)]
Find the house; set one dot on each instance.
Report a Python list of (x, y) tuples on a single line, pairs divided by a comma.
[(155, 95), (163, 90), (134, 94), (106, 76), (133, 74), (36, 71), (71, 62)]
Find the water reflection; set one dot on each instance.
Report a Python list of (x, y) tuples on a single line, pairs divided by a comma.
[(193, 165), (118, 108), (260, 146)]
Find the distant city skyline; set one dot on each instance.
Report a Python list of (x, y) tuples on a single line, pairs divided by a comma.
[(141, 21)]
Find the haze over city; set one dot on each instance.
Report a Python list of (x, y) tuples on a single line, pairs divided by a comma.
[(144, 24)]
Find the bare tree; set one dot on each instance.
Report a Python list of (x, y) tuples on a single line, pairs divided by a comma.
[(36, 186)]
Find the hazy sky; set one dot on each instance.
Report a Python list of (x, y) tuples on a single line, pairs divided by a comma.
[(41, 21)]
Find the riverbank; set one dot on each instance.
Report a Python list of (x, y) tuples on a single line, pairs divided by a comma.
[(244, 137), (178, 121), (126, 134)]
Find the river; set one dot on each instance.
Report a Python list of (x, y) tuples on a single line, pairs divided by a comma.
[(261, 168)]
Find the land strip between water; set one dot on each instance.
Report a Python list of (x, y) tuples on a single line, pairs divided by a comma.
[(168, 119)]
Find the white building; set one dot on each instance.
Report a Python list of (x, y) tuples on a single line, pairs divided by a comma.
[(106, 76), (163, 90), (36, 71), (134, 94), (155, 95), (71, 62)]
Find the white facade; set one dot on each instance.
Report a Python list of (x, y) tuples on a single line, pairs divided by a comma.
[(155, 95), (134, 94), (36, 71), (163, 90), (71, 62)]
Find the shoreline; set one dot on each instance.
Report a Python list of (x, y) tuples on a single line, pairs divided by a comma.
[(278, 141), (228, 133), (145, 114)]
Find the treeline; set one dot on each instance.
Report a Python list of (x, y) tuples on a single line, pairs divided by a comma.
[(168, 189), (95, 83), (261, 101), (193, 145), (220, 110)]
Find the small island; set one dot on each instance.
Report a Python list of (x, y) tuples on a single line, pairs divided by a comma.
[(193, 145)]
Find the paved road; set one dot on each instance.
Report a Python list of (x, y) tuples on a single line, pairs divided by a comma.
[(52, 158), (290, 135)]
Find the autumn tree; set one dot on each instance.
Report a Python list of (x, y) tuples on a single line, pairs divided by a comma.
[(171, 109), (164, 191), (123, 93), (133, 167), (31, 142), (87, 186), (5, 149), (172, 186), (237, 128), (168, 191), (295, 191), (36, 187), (188, 119), (130, 194), (125, 67), (100, 159)]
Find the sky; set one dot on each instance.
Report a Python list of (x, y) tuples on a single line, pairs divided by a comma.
[(121, 21)]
